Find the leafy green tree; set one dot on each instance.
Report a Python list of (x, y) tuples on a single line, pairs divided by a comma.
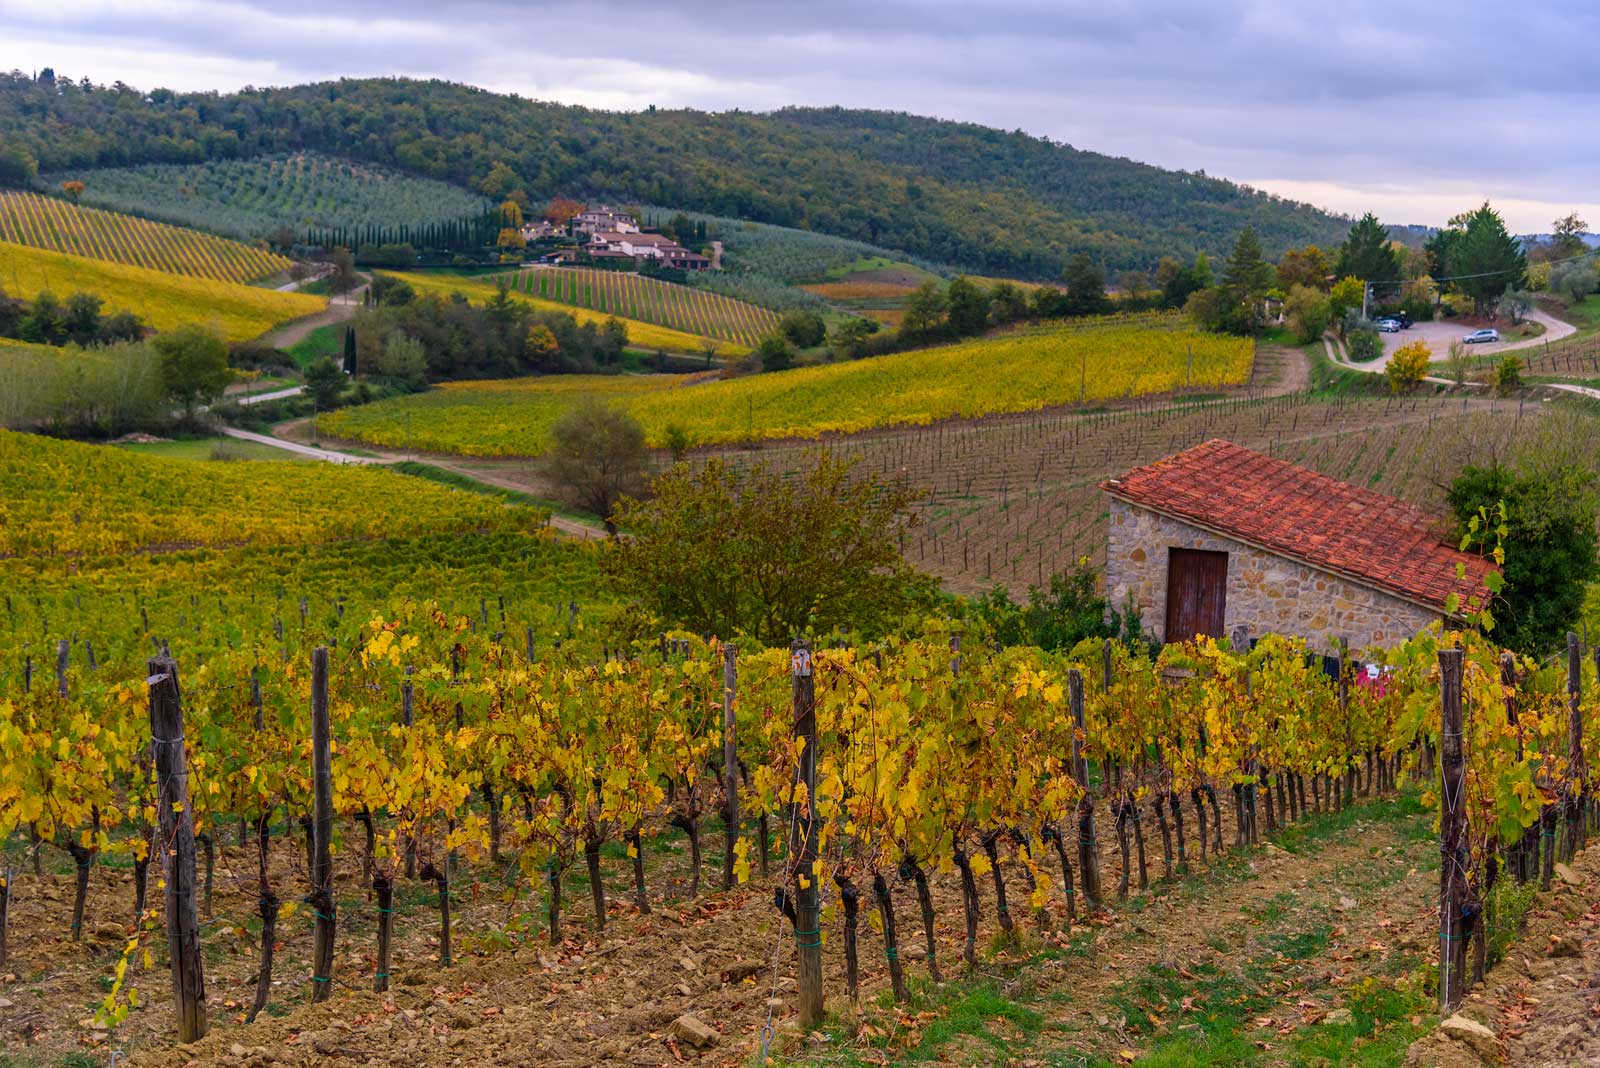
[(1209, 308), (848, 337), (1086, 287), (775, 555), (1367, 254), (1307, 267), (344, 278), (1567, 236), (1007, 303), (1308, 311), (969, 307), (1573, 282), (499, 182), (613, 339), (18, 168), (403, 360), (804, 327), (597, 457), (325, 381), (1550, 544), (925, 310), (774, 353), (1345, 297), (1486, 259), (1246, 279), (83, 318), (194, 365)]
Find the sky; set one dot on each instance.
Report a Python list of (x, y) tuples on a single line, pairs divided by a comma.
[(1413, 110)]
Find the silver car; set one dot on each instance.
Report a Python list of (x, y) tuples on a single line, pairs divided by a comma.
[(1480, 336), (1388, 326)]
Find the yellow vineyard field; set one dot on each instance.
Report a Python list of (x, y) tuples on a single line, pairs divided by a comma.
[(1016, 372), (640, 334), (62, 497), (48, 223), (162, 300)]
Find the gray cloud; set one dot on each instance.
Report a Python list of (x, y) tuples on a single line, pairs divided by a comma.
[(1411, 108)]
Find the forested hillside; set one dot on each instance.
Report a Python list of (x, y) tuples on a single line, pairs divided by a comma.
[(982, 199)]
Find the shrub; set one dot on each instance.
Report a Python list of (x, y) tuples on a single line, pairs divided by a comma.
[(1508, 374), (1408, 366), (1309, 311), (1364, 342)]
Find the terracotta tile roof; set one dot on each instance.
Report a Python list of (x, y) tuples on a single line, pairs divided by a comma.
[(1296, 513)]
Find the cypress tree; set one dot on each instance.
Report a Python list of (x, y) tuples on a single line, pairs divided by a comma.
[(350, 351)]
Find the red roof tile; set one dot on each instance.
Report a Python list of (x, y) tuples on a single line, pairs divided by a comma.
[(1294, 512)]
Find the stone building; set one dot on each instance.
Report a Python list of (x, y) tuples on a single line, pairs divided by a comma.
[(1218, 538)]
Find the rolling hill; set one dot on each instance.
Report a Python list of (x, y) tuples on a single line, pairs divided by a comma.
[(981, 199)]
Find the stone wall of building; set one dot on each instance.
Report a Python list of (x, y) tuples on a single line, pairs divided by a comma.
[(1265, 593)]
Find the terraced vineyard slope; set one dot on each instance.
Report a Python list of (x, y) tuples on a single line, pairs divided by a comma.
[(1017, 372), (311, 193), (162, 300), (649, 300), (48, 223)]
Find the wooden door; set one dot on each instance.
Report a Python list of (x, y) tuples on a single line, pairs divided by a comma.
[(1197, 592)]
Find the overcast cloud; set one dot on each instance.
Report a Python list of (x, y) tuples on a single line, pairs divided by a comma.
[(1413, 110)]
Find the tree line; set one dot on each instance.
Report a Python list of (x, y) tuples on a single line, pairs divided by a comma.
[(984, 199)]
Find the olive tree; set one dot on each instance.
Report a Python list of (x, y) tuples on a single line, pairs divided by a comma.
[(597, 457)]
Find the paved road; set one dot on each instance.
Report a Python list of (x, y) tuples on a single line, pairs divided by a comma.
[(302, 450), (272, 395), (1440, 335), (572, 528)]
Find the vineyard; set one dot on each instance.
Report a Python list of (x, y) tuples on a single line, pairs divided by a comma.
[(1017, 372), (162, 300), (649, 300), (323, 200), (1015, 500), (643, 335), (963, 798), (146, 503), (57, 226)]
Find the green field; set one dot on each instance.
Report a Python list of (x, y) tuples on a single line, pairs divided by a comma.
[(1015, 372), (650, 300)]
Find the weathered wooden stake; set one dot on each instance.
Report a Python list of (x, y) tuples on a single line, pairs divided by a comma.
[(176, 843), (322, 829), (1453, 858), (1574, 800), (803, 838), (730, 761), (1088, 841)]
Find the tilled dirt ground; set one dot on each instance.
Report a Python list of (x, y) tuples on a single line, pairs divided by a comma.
[(1542, 1003), (1293, 932)]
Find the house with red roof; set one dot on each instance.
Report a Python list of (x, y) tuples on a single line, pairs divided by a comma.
[(1220, 538)]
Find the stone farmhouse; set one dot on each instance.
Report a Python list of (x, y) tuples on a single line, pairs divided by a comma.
[(604, 219), (1219, 538), (640, 246)]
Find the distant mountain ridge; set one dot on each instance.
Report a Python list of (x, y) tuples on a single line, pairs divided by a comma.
[(978, 198)]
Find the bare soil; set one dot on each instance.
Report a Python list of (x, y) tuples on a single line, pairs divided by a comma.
[(1362, 891)]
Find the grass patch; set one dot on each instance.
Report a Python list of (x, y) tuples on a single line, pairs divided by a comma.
[(325, 340), (213, 449)]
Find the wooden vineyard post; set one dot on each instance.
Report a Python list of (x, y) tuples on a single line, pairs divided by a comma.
[(176, 844), (322, 829), (1576, 772), (730, 760), (1453, 888), (803, 838), (1088, 841)]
